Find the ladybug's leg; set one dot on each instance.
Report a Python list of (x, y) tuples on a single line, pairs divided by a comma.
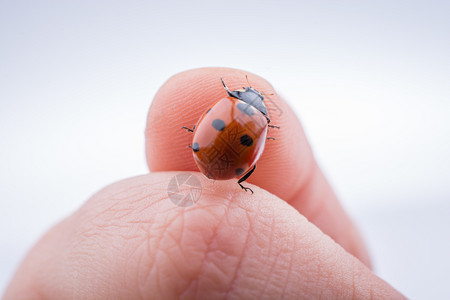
[(188, 129), (245, 178), (271, 126)]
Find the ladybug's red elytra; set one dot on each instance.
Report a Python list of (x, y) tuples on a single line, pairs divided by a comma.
[(229, 137)]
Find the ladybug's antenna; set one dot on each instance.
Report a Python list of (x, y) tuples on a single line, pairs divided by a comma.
[(246, 78), (226, 88)]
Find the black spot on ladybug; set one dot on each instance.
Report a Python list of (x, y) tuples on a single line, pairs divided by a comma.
[(218, 124), (239, 171), (246, 108), (246, 140), (195, 147)]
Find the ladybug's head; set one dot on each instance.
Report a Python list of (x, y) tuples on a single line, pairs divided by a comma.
[(249, 95)]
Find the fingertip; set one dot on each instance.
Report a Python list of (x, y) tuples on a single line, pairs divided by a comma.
[(184, 97)]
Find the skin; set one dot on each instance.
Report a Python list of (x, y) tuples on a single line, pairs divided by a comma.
[(291, 239)]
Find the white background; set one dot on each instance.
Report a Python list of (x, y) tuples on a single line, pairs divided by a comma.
[(370, 81)]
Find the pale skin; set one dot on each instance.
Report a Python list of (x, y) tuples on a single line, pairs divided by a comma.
[(291, 239)]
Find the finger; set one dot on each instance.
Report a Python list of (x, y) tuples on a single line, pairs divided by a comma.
[(129, 241), (287, 167)]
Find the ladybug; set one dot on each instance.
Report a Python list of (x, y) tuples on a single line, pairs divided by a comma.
[(230, 136)]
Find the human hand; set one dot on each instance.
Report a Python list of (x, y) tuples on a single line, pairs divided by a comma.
[(129, 241)]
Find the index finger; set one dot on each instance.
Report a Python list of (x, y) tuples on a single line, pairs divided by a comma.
[(287, 167)]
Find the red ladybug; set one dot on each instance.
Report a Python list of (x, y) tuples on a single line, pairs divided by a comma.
[(230, 136)]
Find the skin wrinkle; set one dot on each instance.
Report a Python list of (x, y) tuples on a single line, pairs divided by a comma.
[(124, 282), (158, 281), (82, 253), (272, 229), (102, 226), (325, 279), (159, 253), (260, 246), (208, 248), (151, 267), (173, 265), (291, 258), (306, 246), (269, 275), (158, 249), (123, 187), (93, 217), (195, 280), (280, 251), (238, 267), (132, 261), (180, 243), (126, 235), (180, 252), (183, 229), (142, 281)]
